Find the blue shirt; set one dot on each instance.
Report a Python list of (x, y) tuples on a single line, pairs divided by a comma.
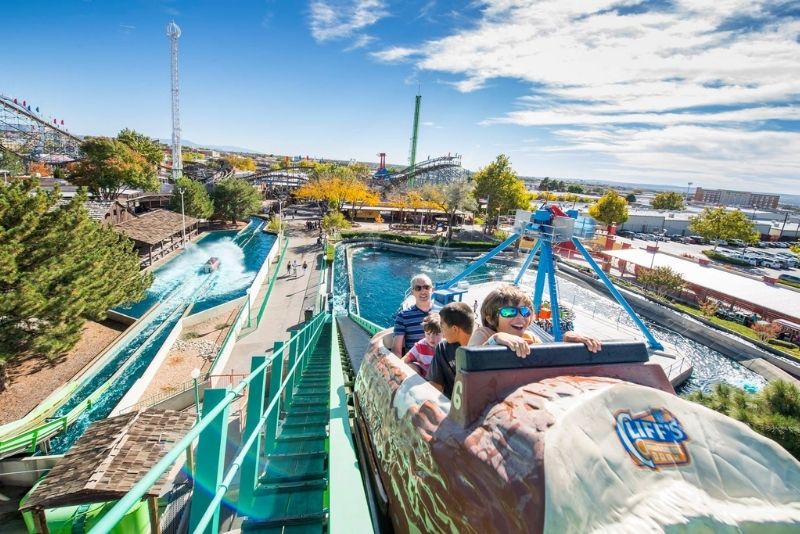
[(408, 323)]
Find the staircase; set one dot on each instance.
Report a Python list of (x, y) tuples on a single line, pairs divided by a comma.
[(291, 493)]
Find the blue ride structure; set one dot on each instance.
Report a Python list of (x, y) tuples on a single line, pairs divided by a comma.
[(549, 226)]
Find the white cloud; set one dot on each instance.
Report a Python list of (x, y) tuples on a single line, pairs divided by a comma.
[(394, 54), (689, 72), (343, 19)]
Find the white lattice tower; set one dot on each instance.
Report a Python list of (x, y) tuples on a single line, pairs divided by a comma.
[(173, 32)]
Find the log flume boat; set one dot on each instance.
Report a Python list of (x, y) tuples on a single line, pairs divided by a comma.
[(562, 441)]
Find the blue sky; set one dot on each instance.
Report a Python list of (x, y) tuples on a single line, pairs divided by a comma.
[(655, 92)]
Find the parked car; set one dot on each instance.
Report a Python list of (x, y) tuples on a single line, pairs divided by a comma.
[(625, 233), (736, 243)]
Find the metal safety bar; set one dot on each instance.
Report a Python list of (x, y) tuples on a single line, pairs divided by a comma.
[(212, 425)]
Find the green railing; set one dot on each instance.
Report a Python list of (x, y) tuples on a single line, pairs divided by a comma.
[(211, 429), (366, 324), (272, 282)]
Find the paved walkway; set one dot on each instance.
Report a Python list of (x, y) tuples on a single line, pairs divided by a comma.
[(290, 296)]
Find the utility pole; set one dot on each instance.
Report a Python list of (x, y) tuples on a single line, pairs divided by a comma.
[(173, 32), (183, 219)]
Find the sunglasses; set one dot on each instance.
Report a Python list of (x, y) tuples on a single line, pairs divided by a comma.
[(420, 288), (511, 311)]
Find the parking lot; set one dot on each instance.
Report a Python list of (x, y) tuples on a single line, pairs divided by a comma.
[(677, 248)]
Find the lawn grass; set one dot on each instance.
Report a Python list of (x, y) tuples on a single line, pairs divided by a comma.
[(740, 329)]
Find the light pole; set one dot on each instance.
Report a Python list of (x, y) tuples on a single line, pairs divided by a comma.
[(183, 219), (687, 191), (195, 376)]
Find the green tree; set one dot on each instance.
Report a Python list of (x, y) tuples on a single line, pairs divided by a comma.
[(58, 268), (610, 208), (112, 165), (450, 199), (773, 412), (58, 173), (149, 149), (235, 199), (334, 221), (667, 201), (719, 223), (545, 184), (11, 162), (630, 198), (661, 280), (196, 200), (499, 183), (576, 188)]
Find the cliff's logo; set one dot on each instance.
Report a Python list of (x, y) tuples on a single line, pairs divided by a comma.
[(653, 438)]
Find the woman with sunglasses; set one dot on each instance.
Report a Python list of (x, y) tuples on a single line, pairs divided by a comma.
[(506, 314)]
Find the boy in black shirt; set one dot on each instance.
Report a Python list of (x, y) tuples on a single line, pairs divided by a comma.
[(457, 321)]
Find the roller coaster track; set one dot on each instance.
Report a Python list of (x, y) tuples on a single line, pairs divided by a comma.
[(441, 170), (34, 138), (290, 177)]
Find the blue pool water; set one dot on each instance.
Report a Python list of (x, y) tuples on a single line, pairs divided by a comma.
[(178, 284), (381, 278)]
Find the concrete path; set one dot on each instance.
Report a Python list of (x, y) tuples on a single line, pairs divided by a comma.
[(290, 296)]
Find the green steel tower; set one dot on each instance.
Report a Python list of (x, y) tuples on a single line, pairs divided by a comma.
[(412, 159)]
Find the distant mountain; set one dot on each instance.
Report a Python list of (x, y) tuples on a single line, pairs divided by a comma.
[(221, 148)]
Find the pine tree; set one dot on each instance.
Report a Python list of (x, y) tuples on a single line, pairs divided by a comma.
[(57, 269)]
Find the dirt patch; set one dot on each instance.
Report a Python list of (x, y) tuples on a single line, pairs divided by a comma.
[(195, 349), (31, 380)]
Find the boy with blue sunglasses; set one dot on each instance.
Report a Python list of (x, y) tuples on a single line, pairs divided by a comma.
[(506, 313)]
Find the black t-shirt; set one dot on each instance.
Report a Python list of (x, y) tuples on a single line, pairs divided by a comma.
[(443, 367)]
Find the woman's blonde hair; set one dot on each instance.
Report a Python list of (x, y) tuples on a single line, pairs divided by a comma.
[(506, 295)]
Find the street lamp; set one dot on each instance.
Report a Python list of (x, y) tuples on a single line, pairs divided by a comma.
[(687, 191), (195, 376), (183, 221)]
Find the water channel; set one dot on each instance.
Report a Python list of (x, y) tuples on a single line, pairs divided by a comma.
[(178, 284), (382, 278)]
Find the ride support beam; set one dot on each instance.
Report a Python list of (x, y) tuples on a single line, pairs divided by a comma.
[(651, 340), (480, 261), (528, 261)]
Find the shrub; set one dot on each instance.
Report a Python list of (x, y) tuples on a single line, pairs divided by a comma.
[(708, 307), (782, 343), (766, 330), (773, 412), (191, 335), (714, 255), (334, 221)]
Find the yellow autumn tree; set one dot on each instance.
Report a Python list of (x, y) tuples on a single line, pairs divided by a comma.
[(333, 186), (241, 163)]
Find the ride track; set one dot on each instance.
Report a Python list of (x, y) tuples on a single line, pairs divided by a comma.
[(32, 137)]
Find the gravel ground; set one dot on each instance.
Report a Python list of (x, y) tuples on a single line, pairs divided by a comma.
[(190, 352), (31, 380)]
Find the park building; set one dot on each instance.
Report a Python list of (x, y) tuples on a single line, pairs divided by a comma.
[(726, 197), (677, 223)]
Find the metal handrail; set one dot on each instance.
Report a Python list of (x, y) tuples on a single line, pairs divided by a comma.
[(108, 521), (237, 462)]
